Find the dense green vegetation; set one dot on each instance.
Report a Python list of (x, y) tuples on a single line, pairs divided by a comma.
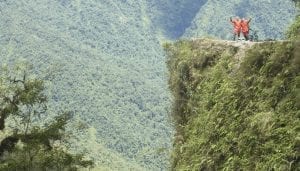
[(27, 141), (294, 29), (106, 67), (106, 64), (172, 17), (233, 114), (236, 107)]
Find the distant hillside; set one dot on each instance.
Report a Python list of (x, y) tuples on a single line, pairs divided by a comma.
[(269, 17), (170, 18), (236, 105), (108, 68)]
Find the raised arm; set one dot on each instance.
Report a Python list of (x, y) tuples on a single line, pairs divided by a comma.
[(249, 20)]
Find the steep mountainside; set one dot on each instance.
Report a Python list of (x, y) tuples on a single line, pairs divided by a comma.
[(107, 65), (170, 18), (236, 105)]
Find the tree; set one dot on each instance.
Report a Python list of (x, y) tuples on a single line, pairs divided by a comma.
[(29, 143)]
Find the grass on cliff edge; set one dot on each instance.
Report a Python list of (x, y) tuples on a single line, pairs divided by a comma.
[(235, 118)]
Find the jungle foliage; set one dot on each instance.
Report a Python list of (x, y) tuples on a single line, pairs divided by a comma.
[(294, 29), (107, 67), (28, 142), (231, 114)]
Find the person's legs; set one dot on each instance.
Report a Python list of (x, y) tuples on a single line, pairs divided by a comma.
[(238, 34), (246, 35), (234, 35)]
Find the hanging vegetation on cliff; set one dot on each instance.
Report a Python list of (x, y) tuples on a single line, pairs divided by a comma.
[(236, 107)]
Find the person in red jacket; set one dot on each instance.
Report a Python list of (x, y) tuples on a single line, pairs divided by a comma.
[(236, 27), (245, 28)]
